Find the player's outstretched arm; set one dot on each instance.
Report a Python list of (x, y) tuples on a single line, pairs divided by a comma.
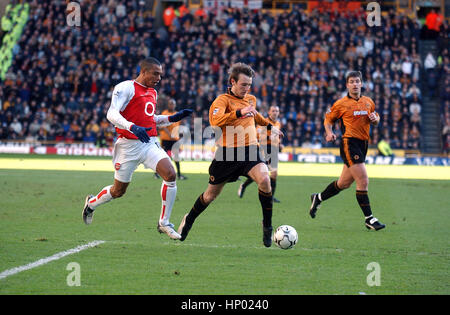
[(165, 120), (180, 115)]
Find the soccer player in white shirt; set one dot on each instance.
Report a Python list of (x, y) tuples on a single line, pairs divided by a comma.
[(132, 112)]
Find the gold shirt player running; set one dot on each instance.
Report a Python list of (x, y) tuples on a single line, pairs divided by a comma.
[(233, 114), (356, 114)]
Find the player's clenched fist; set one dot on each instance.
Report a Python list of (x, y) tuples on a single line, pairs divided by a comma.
[(248, 111), (374, 118), (330, 137)]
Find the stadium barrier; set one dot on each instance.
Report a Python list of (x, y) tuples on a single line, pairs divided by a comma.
[(206, 153)]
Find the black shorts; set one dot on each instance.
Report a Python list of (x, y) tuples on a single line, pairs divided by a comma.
[(168, 144), (353, 151), (229, 164)]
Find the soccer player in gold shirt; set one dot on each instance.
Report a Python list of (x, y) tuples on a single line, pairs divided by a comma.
[(356, 114), (234, 115)]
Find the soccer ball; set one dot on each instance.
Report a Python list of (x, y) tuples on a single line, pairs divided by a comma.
[(285, 237)]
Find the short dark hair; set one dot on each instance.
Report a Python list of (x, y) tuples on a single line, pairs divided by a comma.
[(353, 74), (274, 106), (147, 62), (238, 68)]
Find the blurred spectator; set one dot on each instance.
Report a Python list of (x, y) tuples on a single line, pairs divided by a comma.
[(432, 26), (430, 62), (384, 147), (431, 73), (169, 16), (16, 126)]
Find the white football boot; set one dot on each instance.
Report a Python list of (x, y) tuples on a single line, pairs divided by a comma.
[(87, 212), (169, 230)]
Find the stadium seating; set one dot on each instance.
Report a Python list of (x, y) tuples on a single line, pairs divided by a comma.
[(61, 78)]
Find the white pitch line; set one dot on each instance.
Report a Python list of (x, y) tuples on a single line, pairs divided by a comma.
[(46, 260)]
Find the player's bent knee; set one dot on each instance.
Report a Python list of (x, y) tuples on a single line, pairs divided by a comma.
[(363, 184), (168, 174), (264, 185), (170, 177), (208, 197)]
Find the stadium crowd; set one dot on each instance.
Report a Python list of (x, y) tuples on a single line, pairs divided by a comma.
[(61, 79), (443, 76)]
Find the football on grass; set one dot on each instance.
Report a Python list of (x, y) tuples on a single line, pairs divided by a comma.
[(285, 237)]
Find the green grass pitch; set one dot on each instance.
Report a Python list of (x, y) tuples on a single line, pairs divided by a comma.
[(40, 215)]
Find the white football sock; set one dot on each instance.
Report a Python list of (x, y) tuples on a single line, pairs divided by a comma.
[(168, 195), (103, 197)]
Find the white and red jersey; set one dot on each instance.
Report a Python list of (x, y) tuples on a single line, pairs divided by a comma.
[(134, 104)]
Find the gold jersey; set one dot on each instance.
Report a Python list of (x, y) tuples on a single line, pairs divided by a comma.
[(236, 131)]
